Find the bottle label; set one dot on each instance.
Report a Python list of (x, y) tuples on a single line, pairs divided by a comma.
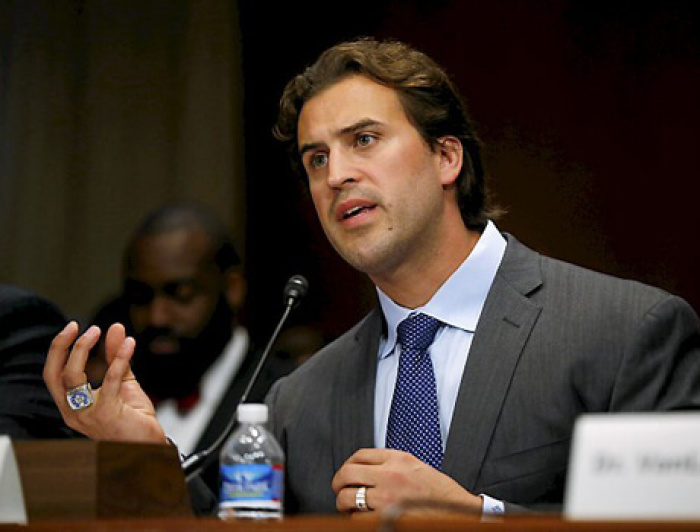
[(243, 484)]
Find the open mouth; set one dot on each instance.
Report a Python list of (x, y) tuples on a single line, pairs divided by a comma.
[(353, 208), (356, 211)]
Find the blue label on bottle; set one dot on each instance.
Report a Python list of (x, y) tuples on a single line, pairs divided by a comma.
[(251, 482)]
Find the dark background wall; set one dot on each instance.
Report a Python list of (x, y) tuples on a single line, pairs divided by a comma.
[(108, 109), (588, 110)]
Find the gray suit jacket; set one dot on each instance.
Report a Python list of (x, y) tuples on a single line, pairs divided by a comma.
[(553, 341)]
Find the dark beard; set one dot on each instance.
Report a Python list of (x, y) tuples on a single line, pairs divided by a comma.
[(178, 375)]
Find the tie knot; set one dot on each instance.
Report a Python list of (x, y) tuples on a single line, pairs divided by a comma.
[(417, 332)]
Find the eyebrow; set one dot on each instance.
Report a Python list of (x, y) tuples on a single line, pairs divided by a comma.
[(360, 124), (352, 128)]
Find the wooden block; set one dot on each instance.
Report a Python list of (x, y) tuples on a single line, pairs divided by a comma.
[(76, 479)]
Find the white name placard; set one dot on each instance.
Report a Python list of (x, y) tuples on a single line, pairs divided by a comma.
[(634, 466), (12, 509)]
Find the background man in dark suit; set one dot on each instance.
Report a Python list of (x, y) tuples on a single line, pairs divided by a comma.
[(522, 345), (27, 325), (184, 290)]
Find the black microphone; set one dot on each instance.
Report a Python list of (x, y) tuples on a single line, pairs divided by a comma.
[(294, 291)]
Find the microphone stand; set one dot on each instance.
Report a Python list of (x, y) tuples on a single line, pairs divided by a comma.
[(294, 291)]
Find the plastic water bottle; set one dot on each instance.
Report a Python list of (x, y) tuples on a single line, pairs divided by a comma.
[(252, 469)]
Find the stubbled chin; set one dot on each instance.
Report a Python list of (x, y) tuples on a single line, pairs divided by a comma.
[(370, 259)]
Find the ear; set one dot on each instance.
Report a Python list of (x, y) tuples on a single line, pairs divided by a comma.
[(451, 159), (235, 288)]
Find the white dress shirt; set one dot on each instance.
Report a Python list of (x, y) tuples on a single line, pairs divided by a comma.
[(457, 304), (186, 429)]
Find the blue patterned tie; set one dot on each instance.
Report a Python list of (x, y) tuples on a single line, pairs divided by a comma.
[(414, 425)]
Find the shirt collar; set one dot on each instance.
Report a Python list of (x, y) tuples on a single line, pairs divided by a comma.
[(472, 280)]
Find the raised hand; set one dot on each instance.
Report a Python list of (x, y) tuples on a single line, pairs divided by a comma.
[(120, 409)]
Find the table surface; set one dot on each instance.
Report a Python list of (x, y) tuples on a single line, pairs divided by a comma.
[(432, 523)]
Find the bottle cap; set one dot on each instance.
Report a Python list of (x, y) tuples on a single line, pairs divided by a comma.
[(252, 413)]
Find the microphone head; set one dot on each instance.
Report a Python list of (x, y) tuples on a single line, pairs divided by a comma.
[(295, 290)]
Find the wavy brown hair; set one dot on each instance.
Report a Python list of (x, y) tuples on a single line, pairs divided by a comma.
[(429, 98)]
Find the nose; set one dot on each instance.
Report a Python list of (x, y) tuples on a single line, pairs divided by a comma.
[(159, 311), (341, 170)]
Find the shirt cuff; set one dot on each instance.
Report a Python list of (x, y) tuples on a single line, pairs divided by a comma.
[(171, 442), (492, 506)]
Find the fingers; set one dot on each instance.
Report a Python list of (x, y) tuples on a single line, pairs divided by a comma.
[(371, 456), (56, 361), (351, 475), (113, 340), (389, 476), (120, 410), (65, 366), (116, 335), (360, 470), (347, 500), (119, 370), (74, 370)]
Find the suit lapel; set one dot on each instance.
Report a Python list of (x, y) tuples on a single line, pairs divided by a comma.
[(504, 327), (353, 391)]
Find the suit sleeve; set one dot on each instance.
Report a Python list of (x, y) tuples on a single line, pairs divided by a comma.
[(660, 370), (276, 426), (27, 326)]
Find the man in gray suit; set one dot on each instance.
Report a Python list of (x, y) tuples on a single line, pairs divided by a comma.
[(526, 343), (522, 343)]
